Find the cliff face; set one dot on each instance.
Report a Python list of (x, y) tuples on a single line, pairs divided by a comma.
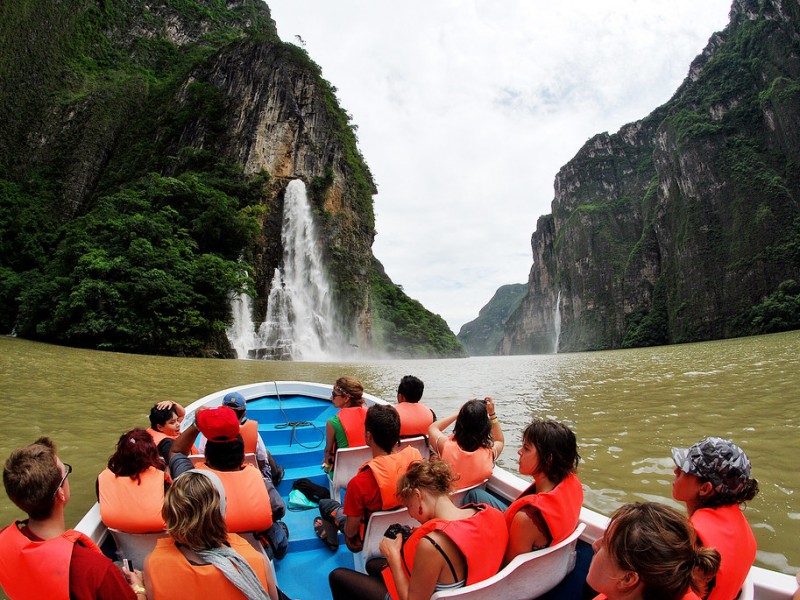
[(682, 226), (482, 335), (145, 148)]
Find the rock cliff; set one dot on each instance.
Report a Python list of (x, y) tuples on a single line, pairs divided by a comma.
[(482, 336), (145, 148), (682, 226)]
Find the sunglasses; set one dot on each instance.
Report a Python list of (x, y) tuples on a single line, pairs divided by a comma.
[(67, 471), (337, 392)]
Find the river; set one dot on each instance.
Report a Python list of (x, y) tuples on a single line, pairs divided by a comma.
[(627, 407)]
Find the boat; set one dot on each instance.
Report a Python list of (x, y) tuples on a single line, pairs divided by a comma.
[(292, 416)]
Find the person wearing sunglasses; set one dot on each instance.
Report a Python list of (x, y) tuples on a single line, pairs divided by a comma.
[(40, 557), (346, 428)]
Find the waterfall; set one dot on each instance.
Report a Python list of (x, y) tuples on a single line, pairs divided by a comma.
[(557, 323), (242, 332), (300, 320)]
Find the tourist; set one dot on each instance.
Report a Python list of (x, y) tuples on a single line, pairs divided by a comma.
[(476, 442), (165, 425), (547, 512), (200, 559), (453, 547), (346, 428), (253, 443), (254, 505), (131, 489), (375, 485), (415, 417), (40, 557), (713, 478), (650, 551)]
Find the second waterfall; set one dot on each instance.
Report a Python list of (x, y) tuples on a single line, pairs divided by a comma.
[(300, 323)]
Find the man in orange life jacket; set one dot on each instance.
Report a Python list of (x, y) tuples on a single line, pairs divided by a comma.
[(375, 485), (225, 454), (39, 557), (415, 417)]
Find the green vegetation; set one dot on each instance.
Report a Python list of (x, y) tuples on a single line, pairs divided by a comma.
[(404, 328), (780, 311)]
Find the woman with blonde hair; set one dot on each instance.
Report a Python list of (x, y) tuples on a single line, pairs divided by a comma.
[(200, 559), (449, 550), (650, 551), (346, 428)]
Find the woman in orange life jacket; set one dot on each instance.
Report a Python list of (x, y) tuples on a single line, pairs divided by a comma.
[(346, 428), (131, 490), (476, 442), (547, 511), (200, 559), (650, 551), (449, 550), (713, 478)]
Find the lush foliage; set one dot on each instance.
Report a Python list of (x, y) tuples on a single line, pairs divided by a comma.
[(780, 311), (404, 328)]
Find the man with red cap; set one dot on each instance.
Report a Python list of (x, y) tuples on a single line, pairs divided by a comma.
[(253, 502)]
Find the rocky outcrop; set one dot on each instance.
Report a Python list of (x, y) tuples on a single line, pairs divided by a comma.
[(675, 227), (482, 335)]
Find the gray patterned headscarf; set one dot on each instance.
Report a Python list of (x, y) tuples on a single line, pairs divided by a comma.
[(717, 460)]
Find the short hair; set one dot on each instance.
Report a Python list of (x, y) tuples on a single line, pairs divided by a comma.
[(160, 416), (411, 388), (383, 422), (353, 388), (661, 546), (556, 446), (31, 477), (433, 475), (135, 453), (225, 456), (473, 429), (192, 512)]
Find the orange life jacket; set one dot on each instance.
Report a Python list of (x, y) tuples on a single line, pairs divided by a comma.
[(387, 469), (246, 498), (159, 437), (31, 570), (352, 420), (173, 576), (472, 467), (560, 507), (415, 418), (726, 529), (132, 506), (482, 539), (249, 432)]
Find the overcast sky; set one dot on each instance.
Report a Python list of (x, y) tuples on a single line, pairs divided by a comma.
[(466, 110)]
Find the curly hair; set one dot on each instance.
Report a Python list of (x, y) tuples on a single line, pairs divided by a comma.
[(726, 498), (135, 453), (433, 475), (556, 446), (192, 513), (473, 429), (31, 477), (660, 545)]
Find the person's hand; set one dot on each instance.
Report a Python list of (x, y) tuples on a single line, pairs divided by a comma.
[(326, 466), (391, 547), (489, 406), (164, 405), (134, 577)]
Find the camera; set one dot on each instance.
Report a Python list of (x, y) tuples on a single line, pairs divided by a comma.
[(393, 530)]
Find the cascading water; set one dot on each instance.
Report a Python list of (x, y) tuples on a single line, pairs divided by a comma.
[(300, 320), (557, 323)]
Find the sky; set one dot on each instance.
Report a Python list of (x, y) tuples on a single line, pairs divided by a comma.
[(467, 109)]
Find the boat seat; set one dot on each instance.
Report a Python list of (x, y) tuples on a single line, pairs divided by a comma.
[(255, 543), (529, 575), (458, 496), (748, 591), (135, 546), (346, 465), (420, 442), (378, 523)]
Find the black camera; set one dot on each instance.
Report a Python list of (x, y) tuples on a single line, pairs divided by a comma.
[(393, 530)]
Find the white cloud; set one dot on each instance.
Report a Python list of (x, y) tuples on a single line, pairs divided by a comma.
[(466, 109)]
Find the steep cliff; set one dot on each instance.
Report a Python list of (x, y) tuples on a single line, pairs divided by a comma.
[(145, 148), (482, 336), (683, 226)]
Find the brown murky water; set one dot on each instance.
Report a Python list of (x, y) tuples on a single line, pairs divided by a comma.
[(627, 408)]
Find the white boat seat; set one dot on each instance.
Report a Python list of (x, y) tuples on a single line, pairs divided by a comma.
[(420, 442), (528, 576), (378, 523), (346, 465), (748, 591), (135, 546), (458, 496)]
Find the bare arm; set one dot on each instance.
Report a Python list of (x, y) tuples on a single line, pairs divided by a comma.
[(352, 534), (436, 431), (184, 442), (497, 432), (525, 534), (330, 447)]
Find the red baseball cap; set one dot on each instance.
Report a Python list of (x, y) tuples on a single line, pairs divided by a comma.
[(218, 424)]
